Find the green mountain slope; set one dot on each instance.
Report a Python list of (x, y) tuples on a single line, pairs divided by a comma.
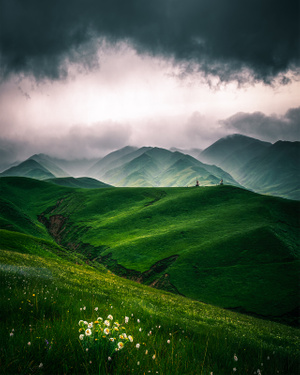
[(48, 163), (156, 167), (259, 166), (233, 151), (29, 168), (114, 160), (276, 171), (220, 245)]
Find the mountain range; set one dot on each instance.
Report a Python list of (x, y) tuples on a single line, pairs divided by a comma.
[(259, 166), (236, 159), (152, 166), (129, 166)]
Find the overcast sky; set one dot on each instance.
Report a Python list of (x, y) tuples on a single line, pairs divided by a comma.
[(81, 78)]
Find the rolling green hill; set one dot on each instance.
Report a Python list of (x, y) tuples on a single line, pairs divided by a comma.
[(80, 182), (221, 245)]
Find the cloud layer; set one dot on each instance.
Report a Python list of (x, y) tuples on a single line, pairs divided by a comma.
[(270, 128), (255, 40)]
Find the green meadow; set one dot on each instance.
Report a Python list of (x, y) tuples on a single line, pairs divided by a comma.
[(217, 249)]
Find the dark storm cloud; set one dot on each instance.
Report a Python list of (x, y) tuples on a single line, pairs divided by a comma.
[(270, 128), (226, 39)]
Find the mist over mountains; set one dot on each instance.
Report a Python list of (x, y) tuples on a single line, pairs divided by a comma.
[(259, 166), (236, 159)]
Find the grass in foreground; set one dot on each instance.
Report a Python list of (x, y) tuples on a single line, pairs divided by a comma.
[(43, 299)]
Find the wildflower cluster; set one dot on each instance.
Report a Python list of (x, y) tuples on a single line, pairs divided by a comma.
[(104, 331)]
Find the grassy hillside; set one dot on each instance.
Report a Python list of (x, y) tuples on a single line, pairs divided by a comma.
[(221, 245), (46, 289), (43, 299), (22, 200), (79, 183)]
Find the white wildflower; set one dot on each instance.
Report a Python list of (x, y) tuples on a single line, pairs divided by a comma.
[(88, 332)]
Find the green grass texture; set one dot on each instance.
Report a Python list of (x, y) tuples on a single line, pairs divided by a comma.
[(44, 298)]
